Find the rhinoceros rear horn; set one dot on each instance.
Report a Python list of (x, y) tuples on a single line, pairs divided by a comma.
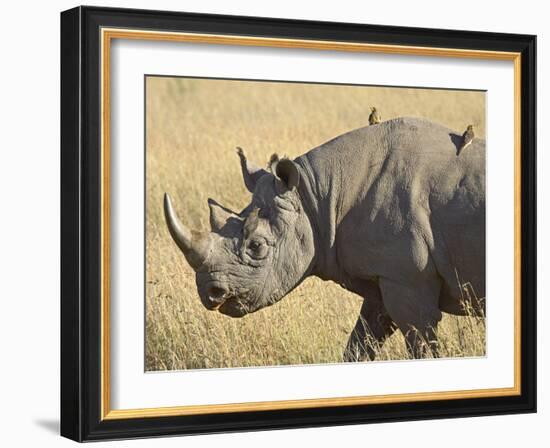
[(193, 244), (218, 215)]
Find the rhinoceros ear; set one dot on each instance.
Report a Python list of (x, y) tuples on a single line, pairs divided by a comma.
[(251, 172), (287, 171), (273, 161), (218, 215)]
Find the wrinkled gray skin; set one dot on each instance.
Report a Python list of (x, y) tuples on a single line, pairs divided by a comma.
[(389, 212)]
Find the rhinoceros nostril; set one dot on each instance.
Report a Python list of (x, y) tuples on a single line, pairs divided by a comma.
[(216, 293)]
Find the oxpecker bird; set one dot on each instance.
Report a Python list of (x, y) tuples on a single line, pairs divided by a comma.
[(374, 117), (467, 138)]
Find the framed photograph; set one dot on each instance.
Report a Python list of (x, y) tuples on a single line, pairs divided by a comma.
[(272, 223)]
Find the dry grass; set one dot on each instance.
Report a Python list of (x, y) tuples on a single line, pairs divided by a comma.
[(193, 127)]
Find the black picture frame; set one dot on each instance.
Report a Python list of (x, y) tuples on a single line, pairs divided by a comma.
[(81, 223)]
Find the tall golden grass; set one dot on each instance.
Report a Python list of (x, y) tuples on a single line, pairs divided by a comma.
[(193, 127)]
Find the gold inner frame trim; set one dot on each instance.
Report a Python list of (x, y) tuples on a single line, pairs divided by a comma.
[(107, 35)]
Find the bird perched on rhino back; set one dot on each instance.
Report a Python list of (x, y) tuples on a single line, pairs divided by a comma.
[(374, 117), (467, 138)]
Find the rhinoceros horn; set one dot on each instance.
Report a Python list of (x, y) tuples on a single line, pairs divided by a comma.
[(193, 244)]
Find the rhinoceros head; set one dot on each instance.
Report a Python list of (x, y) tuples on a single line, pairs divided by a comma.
[(250, 259)]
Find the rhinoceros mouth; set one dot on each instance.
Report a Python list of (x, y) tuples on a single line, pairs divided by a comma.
[(233, 307), (217, 296)]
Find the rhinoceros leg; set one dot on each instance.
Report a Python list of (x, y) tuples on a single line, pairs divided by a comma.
[(372, 328), (414, 308)]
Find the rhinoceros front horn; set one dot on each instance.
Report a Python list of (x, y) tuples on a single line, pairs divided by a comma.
[(193, 244)]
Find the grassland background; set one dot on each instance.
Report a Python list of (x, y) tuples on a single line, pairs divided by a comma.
[(192, 129)]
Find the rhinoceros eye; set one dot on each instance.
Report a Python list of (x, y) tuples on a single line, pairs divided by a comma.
[(257, 249)]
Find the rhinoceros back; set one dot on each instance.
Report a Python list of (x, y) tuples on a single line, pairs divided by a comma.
[(379, 184)]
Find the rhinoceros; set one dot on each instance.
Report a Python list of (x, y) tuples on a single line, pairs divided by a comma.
[(389, 212)]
